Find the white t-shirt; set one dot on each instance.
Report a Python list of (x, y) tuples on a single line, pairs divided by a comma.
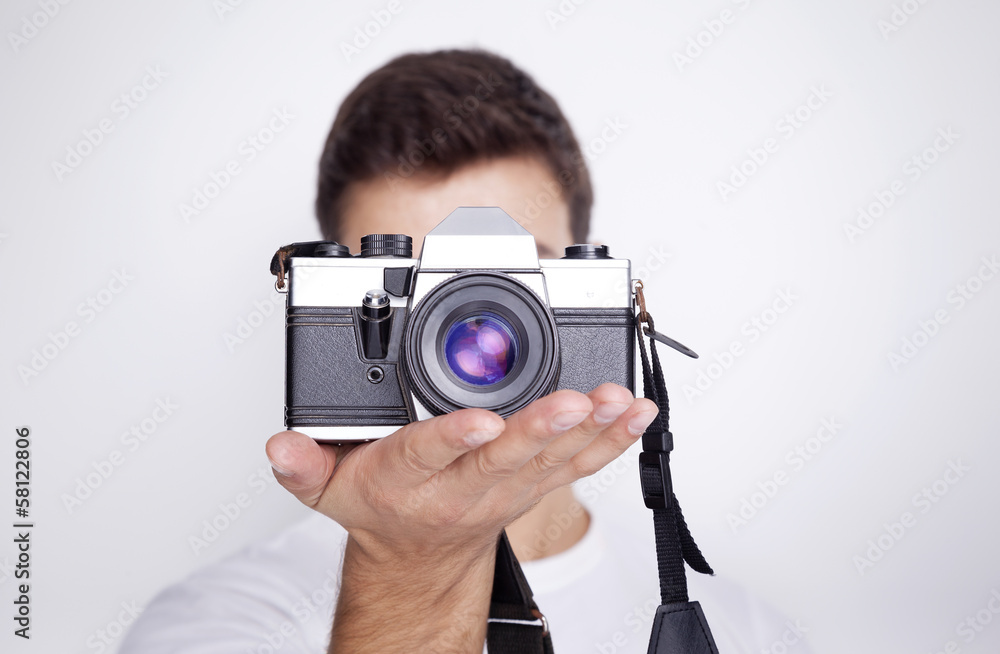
[(599, 597)]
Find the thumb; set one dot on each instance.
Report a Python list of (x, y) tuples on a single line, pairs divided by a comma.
[(301, 465)]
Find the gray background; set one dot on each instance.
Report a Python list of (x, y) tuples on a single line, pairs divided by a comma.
[(711, 264)]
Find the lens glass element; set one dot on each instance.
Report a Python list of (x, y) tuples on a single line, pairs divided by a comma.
[(481, 349)]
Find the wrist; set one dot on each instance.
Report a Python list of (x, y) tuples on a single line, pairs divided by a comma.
[(376, 551), (434, 601)]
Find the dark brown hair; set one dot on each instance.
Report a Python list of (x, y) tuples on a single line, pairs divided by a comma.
[(437, 111)]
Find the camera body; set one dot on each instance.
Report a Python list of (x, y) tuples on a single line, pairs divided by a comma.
[(381, 339)]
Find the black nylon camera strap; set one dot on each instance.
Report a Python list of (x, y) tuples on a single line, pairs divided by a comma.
[(679, 626), (517, 627)]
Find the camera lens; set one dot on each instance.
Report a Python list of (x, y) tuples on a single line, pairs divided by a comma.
[(481, 349), (481, 339)]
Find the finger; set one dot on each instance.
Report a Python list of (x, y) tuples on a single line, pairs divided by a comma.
[(528, 432), (421, 449), (610, 401), (605, 448), (301, 465)]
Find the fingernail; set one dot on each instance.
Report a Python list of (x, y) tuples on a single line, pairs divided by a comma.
[(568, 419), (481, 437), (608, 412), (637, 425), (278, 469)]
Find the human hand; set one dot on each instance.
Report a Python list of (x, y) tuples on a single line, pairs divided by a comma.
[(451, 483)]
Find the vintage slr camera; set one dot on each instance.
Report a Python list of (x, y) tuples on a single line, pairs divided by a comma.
[(380, 339)]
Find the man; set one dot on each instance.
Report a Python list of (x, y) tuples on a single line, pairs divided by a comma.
[(423, 508)]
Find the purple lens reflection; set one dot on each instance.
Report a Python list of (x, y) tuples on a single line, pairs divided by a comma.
[(481, 349)]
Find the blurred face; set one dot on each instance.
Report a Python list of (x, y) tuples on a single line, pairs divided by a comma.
[(415, 205)]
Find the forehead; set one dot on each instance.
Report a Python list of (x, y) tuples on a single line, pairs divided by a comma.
[(521, 186)]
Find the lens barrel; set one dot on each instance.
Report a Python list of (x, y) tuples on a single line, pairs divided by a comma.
[(482, 340)]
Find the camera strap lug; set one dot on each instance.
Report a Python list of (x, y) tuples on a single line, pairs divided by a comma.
[(649, 331), (280, 263)]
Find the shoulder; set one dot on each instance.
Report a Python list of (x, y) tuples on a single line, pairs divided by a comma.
[(279, 590)]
